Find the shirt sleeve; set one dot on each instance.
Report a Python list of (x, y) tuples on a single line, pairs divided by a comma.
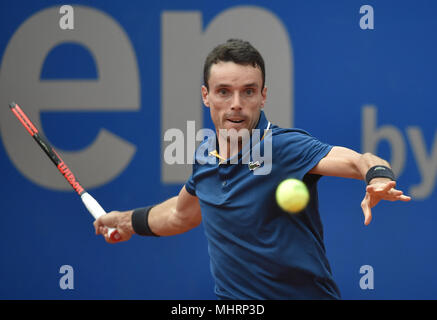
[(209, 143), (300, 152)]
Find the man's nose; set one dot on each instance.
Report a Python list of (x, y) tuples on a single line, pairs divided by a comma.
[(236, 102)]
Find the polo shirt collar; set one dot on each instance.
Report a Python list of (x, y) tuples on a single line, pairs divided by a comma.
[(262, 122)]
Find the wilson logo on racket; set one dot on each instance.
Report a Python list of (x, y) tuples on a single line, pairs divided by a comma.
[(70, 177), (90, 203)]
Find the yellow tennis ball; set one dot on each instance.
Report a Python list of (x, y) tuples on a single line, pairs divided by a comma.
[(292, 195)]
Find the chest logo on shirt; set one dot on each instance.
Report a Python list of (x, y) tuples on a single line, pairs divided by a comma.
[(254, 165)]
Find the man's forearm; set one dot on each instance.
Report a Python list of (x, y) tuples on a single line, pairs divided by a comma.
[(161, 220), (164, 219), (347, 163), (173, 216)]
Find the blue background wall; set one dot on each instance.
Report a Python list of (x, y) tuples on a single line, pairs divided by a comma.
[(339, 69)]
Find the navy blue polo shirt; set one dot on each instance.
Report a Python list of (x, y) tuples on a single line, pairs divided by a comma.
[(257, 250)]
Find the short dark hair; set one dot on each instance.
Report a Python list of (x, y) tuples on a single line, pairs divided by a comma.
[(237, 51)]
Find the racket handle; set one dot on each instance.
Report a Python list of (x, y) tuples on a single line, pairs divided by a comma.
[(113, 234), (97, 211)]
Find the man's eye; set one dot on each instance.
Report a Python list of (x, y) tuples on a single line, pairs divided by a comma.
[(249, 92), (223, 92)]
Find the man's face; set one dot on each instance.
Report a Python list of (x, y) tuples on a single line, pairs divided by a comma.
[(235, 95)]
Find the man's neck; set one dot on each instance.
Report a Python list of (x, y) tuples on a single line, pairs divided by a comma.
[(227, 149)]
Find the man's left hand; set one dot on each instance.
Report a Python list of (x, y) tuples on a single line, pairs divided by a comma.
[(377, 190)]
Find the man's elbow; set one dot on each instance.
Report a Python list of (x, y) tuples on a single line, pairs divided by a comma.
[(186, 222)]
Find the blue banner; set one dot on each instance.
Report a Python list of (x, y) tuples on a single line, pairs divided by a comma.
[(105, 81)]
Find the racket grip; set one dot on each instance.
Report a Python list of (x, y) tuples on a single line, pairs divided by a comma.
[(97, 211)]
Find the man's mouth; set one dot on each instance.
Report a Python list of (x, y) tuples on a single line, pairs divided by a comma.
[(235, 120)]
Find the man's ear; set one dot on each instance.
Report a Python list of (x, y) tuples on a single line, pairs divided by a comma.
[(264, 95), (205, 96)]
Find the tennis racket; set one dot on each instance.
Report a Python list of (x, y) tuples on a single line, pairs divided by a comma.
[(90, 203)]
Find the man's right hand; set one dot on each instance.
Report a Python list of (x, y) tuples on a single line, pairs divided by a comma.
[(122, 221)]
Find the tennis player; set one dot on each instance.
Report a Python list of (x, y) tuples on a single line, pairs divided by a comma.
[(257, 251)]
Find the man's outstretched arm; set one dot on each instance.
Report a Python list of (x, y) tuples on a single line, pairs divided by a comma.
[(346, 163), (173, 216)]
